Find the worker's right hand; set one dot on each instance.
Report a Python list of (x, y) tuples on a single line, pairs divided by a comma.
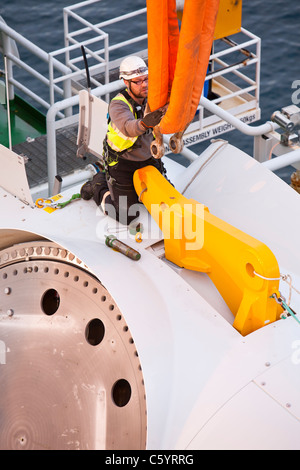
[(152, 119)]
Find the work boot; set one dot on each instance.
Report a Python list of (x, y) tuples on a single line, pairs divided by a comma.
[(94, 188), (87, 191)]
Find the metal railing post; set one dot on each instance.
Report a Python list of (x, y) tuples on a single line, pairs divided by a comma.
[(7, 50), (67, 94)]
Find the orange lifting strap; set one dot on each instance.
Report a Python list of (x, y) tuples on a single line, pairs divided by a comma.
[(178, 61)]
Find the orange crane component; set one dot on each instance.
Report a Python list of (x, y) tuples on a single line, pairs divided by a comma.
[(244, 270)]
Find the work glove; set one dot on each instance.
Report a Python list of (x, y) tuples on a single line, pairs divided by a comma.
[(152, 119)]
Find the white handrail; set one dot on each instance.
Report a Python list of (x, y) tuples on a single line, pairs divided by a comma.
[(8, 32), (31, 47), (7, 103), (284, 160), (241, 126)]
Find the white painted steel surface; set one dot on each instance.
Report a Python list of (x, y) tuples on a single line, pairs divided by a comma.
[(201, 376)]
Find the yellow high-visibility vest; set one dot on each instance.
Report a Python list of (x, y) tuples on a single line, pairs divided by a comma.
[(115, 138)]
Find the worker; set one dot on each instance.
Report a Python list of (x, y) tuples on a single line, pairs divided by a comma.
[(126, 145)]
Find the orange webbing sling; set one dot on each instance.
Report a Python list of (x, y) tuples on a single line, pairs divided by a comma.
[(194, 48), (163, 38)]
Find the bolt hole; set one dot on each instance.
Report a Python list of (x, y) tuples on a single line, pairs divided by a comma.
[(154, 149), (50, 302), (94, 332), (121, 393), (250, 270), (173, 144)]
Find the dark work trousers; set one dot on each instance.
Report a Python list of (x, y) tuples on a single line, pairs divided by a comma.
[(123, 195)]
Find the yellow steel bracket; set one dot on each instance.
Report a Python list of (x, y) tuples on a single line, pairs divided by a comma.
[(196, 239)]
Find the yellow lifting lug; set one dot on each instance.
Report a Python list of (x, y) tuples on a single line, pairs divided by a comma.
[(197, 240)]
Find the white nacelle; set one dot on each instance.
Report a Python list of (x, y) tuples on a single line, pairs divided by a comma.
[(206, 385)]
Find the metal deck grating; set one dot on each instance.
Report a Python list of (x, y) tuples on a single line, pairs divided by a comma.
[(66, 147)]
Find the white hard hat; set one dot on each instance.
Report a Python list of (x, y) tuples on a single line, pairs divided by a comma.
[(132, 67)]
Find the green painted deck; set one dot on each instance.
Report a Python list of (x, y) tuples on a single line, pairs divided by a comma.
[(26, 122)]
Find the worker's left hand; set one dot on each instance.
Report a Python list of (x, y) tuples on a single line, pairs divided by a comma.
[(152, 119)]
